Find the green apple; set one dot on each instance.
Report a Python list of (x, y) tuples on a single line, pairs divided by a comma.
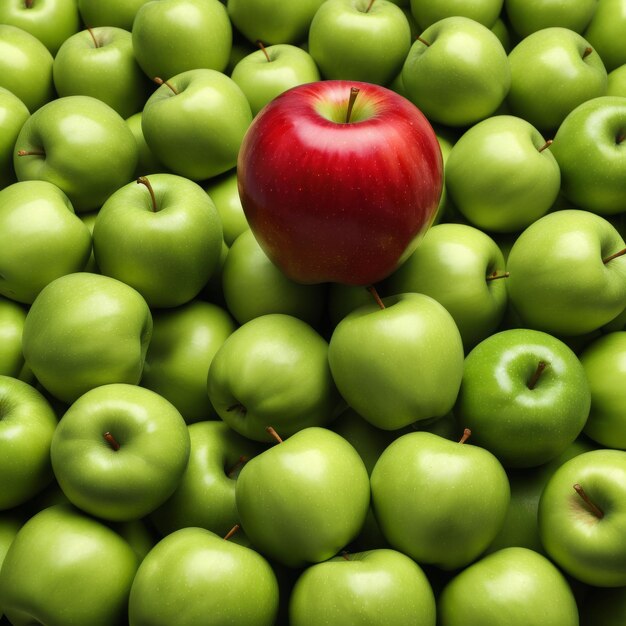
[(205, 496), (50, 21), (100, 62), (10, 523), (273, 21), (120, 13), (360, 588), (501, 30), (529, 16), (264, 74), (617, 82), (501, 174), (359, 40), (449, 85), (398, 364), (163, 237), (195, 123), (225, 195), (304, 499), (427, 12), (514, 586), (173, 36), (254, 286), (27, 425), (438, 501), (88, 565), (184, 342), (582, 517), (272, 371), (25, 67), (568, 273), (587, 147), (13, 114), (147, 163), (605, 32), (553, 70), (12, 318), (120, 451), (524, 395), (41, 238), (604, 362), (193, 577), (69, 142), (462, 268), (86, 330)]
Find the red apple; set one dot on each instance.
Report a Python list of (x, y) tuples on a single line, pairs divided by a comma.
[(332, 200)]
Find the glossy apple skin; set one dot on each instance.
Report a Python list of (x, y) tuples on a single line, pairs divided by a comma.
[(13, 114), (427, 12), (12, 318), (303, 172), (120, 13), (529, 16), (605, 32)]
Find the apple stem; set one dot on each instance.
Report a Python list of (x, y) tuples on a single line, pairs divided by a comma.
[(593, 507), (345, 554), (28, 4), (620, 137), (231, 532), (264, 49), (546, 145), (422, 41), (534, 379), (160, 81), (614, 256), (354, 92), (240, 462), (273, 433), (587, 52), (466, 435), (143, 180), (494, 275), (112, 441), (31, 153), (378, 299), (93, 36), (369, 6)]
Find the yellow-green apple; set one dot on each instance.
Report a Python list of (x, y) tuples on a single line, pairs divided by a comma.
[(225, 195), (427, 12), (529, 16), (13, 114), (147, 163), (616, 85), (120, 13), (605, 31), (10, 523), (12, 318)]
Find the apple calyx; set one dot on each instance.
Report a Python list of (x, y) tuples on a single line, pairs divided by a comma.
[(264, 50), (231, 532), (93, 36), (38, 152), (495, 276), (273, 433), (534, 379), (143, 180), (159, 81), (466, 435), (546, 145), (374, 293), (112, 441), (593, 507), (241, 461), (587, 51), (614, 256)]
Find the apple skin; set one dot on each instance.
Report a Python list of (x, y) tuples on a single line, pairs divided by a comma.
[(12, 318), (107, 325), (27, 425), (129, 482), (90, 567), (605, 32), (523, 424), (173, 36), (358, 40), (551, 74), (449, 85), (427, 12), (193, 576), (604, 362), (10, 523), (438, 501), (314, 221), (514, 586), (617, 82), (587, 147), (41, 239), (13, 114), (77, 135), (400, 364), (225, 195), (588, 548), (25, 67), (120, 13), (558, 281), (359, 588), (147, 163), (304, 499), (529, 16)]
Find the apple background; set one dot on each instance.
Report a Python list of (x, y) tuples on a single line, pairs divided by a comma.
[(493, 212)]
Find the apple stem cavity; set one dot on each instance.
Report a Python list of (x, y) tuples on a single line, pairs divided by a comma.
[(354, 92), (143, 180), (28, 4), (534, 379), (159, 81), (237, 407), (93, 36), (615, 255), (620, 137), (231, 532), (31, 153), (273, 434), (345, 554), (593, 507), (378, 299), (241, 461), (466, 435), (495, 276), (369, 6), (546, 145), (264, 50), (587, 51), (112, 441)]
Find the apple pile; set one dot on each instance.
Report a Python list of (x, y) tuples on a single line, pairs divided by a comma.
[(313, 312)]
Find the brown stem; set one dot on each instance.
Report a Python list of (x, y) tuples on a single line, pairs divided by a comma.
[(231, 532), (93, 36), (587, 51), (422, 41), (534, 379), (273, 433), (593, 507), (354, 92), (112, 441), (143, 180), (466, 435), (546, 145), (345, 554), (494, 275), (31, 153), (369, 6), (264, 49), (28, 4), (614, 256), (378, 299), (160, 81), (240, 462)]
